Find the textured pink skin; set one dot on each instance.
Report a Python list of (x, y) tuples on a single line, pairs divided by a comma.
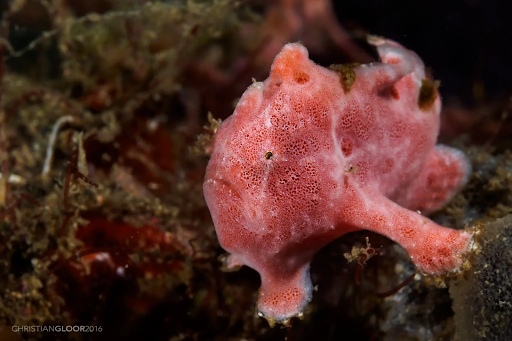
[(341, 161)]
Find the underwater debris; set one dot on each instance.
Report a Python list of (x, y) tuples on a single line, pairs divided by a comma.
[(487, 195), (361, 255), (482, 298), (119, 224), (205, 141), (51, 143)]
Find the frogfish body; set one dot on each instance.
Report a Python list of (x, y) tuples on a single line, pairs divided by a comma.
[(312, 153)]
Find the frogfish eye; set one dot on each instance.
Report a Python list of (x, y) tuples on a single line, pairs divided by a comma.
[(268, 155)]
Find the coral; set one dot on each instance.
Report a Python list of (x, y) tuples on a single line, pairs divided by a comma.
[(306, 158)]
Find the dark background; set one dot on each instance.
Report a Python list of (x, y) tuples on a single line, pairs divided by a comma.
[(463, 41)]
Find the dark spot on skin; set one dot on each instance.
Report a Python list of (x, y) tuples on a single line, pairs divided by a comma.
[(428, 94), (268, 155), (347, 74), (301, 77), (395, 93), (390, 91), (346, 148)]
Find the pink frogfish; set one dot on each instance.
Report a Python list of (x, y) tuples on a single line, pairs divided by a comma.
[(313, 153)]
